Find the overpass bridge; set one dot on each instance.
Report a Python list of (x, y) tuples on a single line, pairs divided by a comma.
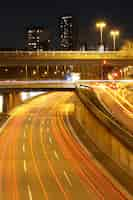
[(53, 84), (11, 91), (56, 57), (36, 65), (37, 85)]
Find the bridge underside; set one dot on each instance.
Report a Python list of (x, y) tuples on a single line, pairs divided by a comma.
[(7, 86), (118, 62), (58, 70), (22, 65)]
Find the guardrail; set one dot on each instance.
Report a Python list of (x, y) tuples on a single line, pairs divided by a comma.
[(69, 54)]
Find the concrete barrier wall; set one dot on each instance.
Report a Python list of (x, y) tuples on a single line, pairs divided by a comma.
[(103, 139)]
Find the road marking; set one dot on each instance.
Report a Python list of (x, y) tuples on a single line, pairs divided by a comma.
[(50, 140), (26, 126), (41, 129), (23, 148), (25, 134), (29, 118), (67, 178), (42, 123), (29, 193), (25, 167), (56, 155)]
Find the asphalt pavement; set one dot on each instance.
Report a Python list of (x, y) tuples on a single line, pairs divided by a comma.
[(41, 160)]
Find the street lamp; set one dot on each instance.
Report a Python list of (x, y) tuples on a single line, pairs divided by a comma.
[(114, 34), (101, 26)]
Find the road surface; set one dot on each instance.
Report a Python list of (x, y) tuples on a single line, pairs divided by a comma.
[(117, 105), (41, 160)]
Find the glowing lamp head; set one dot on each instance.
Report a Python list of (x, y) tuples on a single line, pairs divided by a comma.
[(104, 62), (100, 24), (114, 33)]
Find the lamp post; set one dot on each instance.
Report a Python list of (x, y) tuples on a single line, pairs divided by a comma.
[(101, 26), (114, 34)]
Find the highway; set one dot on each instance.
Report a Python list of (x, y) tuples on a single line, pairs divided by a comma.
[(120, 108), (40, 159)]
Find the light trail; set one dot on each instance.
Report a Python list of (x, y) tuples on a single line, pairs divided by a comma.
[(67, 178), (29, 192)]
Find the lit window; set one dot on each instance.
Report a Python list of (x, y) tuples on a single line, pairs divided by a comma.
[(30, 31)]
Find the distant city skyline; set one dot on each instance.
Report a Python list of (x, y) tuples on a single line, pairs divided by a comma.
[(15, 16)]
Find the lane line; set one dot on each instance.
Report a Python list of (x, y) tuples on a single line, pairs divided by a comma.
[(29, 192), (50, 140), (23, 148), (29, 118), (41, 129), (24, 134), (42, 123), (56, 155), (36, 166), (25, 166), (67, 178), (26, 126), (52, 169)]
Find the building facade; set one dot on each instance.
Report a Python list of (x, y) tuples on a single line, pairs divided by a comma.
[(68, 33), (37, 38)]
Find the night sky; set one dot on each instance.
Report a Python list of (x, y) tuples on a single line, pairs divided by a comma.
[(16, 14)]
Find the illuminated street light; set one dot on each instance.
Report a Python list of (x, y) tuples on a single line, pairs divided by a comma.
[(34, 72), (45, 72), (114, 34), (21, 71), (6, 70), (101, 26)]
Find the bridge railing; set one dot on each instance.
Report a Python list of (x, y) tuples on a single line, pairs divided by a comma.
[(67, 53), (64, 55)]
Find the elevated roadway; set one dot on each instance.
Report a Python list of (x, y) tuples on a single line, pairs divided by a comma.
[(38, 85), (56, 84), (64, 57)]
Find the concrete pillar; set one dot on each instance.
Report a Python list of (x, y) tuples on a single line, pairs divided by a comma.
[(5, 103), (16, 98), (26, 72), (38, 71), (10, 100)]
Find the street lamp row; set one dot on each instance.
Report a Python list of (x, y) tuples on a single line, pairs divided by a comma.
[(114, 33)]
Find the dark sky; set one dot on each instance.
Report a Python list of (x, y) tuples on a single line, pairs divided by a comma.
[(15, 14)]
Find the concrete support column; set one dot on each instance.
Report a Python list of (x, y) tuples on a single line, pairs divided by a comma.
[(16, 98), (38, 71), (5, 103), (26, 72), (10, 100)]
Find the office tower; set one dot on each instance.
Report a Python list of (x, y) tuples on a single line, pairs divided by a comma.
[(37, 38), (68, 33)]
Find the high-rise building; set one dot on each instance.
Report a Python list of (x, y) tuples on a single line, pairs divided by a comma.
[(68, 33), (37, 38)]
